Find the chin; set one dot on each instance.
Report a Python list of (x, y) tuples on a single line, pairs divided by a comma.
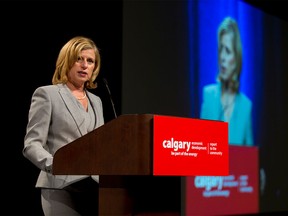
[(224, 77)]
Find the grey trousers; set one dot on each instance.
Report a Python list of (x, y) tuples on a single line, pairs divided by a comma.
[(80, 198)]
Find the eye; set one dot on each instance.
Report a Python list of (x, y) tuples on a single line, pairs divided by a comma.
[(79, 59), (228, 51), (90, 61)]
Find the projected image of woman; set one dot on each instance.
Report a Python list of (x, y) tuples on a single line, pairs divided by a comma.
[(223, 100)]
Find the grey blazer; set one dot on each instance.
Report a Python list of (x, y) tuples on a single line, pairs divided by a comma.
[(55, 120)]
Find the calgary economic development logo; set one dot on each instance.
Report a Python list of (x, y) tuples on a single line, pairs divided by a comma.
[(184, 146), (222, 186), (223, 193)]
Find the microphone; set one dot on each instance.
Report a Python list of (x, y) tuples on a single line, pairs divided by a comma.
[(109, 92)]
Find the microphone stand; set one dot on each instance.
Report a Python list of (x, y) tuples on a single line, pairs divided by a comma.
[(109, 92)]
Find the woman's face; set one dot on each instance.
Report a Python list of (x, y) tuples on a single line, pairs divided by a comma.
[(83, 68), (227, 61)]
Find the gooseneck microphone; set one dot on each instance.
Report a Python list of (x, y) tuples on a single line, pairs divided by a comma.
[(111, 100)]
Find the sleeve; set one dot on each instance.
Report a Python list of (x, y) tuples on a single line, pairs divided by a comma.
[(39, 118)]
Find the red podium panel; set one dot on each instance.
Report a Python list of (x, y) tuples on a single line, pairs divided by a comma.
[(186, 146), (235, 194)]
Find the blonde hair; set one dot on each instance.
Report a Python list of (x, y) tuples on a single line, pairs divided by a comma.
[(229, 25), (69, 54)]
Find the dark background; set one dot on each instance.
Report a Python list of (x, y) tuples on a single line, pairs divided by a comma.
[(32, 34), (132, 51)]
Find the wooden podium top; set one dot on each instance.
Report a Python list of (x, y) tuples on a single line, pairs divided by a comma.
[(123, 146)]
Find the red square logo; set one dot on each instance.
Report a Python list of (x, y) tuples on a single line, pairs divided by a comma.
[(187, 147)]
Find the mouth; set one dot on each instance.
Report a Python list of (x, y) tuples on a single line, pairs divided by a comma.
[(223, 69), (82, 73)]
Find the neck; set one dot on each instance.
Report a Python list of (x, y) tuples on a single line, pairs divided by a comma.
[(79, 93), (74, 87), (82, 98)]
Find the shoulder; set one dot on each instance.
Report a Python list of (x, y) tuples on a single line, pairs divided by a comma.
[(51, 88), (48, 88), (244, 99), (93, 97), (48, 91), (212, 89)]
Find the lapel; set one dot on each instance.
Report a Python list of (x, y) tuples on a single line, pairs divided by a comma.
[(72, 108), (216, 104), (235, 113)]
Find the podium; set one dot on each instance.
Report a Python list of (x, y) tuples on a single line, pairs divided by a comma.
[(119, 152)]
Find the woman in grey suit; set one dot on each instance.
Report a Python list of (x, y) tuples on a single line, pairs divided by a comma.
[(60, 113)]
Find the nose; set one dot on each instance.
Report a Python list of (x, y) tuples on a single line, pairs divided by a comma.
[(84, 63), (222, 56)]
